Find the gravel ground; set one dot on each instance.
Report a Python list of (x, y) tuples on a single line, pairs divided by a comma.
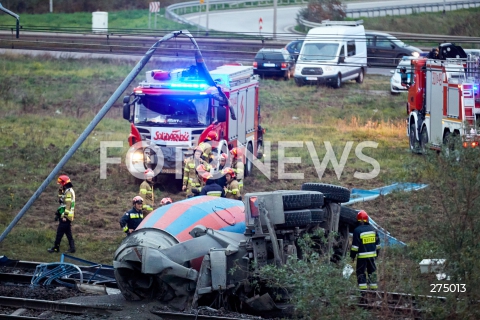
[(137, 310)]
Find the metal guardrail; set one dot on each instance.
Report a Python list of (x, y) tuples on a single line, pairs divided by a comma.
[(412, 8), (175, 11)]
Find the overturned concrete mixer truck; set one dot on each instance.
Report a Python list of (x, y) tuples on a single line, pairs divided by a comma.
[(190, 253)]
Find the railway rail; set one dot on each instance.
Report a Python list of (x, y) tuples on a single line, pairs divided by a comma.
[(130, 44)]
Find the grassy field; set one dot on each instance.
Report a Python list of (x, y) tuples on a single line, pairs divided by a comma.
[(41, 118)]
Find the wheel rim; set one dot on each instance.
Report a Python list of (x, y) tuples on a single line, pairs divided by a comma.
[(360, 77), (339, 81)]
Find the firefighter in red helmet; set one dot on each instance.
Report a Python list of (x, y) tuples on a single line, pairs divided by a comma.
[(211, 188), (232, 189), (366, 247), (206, 147), (132, 218), (238, 166), (65, 214)]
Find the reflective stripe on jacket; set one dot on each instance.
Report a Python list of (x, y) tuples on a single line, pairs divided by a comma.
[(131, 219), (68, 198), (146, 192), (233, 190), (365, 242)]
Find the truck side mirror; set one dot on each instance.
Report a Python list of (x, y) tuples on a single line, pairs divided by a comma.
[(126, 99), (126, 111), (222, 114)]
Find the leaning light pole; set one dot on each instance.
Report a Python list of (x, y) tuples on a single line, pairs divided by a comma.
[(13, 15)]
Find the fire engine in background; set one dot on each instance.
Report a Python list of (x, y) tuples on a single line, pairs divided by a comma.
[(443, 99), (175, 110)]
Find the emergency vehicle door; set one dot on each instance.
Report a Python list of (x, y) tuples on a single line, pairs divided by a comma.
[(434, 102), (232, 124), (242, 104)]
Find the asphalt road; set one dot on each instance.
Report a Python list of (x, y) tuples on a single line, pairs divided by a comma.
[(246, 21)]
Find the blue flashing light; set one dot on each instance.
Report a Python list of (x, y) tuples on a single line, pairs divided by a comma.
[(188, 85)]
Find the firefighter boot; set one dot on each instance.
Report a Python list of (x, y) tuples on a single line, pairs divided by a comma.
[(53, 249), (71, 244), (71, 250)]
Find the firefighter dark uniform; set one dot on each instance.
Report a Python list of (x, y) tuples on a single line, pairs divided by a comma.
[(365, 246), (146, 192), (211, 188), (190, 178), (66, 215), (132, 218)]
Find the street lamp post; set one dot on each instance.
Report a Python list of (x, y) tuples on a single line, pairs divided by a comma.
[(51, 6), (274, 19)]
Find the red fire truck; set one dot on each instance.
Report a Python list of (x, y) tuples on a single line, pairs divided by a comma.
[(443, 99), (175, 110)]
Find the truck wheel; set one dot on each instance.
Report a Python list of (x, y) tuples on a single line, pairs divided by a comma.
[(259, 149), (359, 79), (317, 200), (249, 164), (293, 200), (414, 144), (331, 192), (349, 216), (338, 81), (318, 215), (296, 218), (298, 82), (423, 140)]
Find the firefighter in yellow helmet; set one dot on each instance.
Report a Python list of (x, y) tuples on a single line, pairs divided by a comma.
[(146, 192), (65, 214), (232, 190), (238, 166), (365, 246)]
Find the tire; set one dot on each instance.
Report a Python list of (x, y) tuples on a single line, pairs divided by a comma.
[(330, 192), (317, 199), (318, 215), (448, 143), (259, 149), (299, 83), (294, 200), (413, 142), (338, 81), (349, 217), (423, 140), (249, 164), (296, 218), (360, 77)]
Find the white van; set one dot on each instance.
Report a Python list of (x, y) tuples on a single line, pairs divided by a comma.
[(332, 54)]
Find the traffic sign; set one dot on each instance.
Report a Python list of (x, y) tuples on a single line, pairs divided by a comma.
[(154, 6)]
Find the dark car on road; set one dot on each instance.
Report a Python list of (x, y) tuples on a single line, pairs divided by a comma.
[(274, 63), (385, 49), (294, 48)]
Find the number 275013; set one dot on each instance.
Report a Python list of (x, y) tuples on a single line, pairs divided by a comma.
[(454, 287)]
